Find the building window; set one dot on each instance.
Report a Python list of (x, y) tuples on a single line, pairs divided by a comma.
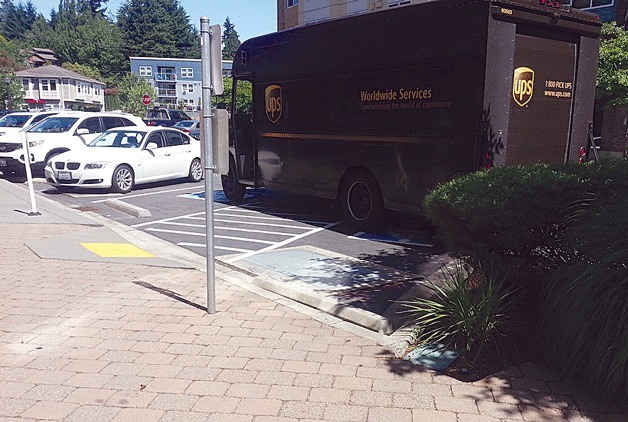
[(393, 3), (187, 72), (292, 3), (146, 71), (588, 4), (26, 86), (187, 88), (48, 85)]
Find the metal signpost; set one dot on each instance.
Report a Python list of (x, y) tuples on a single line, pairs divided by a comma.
[(211, 52)]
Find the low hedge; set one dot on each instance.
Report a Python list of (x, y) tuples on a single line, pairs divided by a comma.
[(505, 214), (571, 221)]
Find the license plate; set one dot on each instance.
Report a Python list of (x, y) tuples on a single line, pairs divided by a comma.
[(3, 162), (64, 175)]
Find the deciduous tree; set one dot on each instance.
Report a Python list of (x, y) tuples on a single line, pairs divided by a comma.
[(131, 88), (612, 74)]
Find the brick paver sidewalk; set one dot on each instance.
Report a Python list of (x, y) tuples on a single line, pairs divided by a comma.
[(98, 342)]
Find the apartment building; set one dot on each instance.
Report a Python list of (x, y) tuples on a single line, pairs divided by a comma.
[(292, 13), (176, 80), (53, 87)]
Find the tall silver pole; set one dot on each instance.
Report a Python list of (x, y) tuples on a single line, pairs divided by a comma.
[(206, 140)]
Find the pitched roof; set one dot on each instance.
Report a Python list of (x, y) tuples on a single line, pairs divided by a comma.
[(42, 55), (52, 71)]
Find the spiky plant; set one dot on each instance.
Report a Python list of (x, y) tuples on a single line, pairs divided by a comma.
[(466, 313)]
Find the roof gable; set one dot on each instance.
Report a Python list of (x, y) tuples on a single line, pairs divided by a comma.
[(52, 71)]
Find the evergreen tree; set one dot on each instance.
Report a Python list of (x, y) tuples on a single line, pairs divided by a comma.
[(77, 35), (15, 21), (230, 40), (159, 28)]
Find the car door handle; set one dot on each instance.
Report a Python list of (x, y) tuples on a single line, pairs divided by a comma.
[(167, 155)]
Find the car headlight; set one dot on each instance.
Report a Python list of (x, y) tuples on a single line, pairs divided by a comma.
[(32, 144), (98, 165), (2, 133)]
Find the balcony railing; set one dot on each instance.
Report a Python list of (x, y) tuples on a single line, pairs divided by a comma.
[(165, 77), (167, 93)]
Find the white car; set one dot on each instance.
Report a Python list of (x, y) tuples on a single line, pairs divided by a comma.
[(13, 123), (123, 157), (59, 133)]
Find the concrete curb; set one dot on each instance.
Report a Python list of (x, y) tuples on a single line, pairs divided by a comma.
[(128, 208)]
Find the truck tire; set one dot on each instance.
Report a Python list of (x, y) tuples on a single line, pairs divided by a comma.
[(122, 180), (196, 171), (361, 200), (234, 190)]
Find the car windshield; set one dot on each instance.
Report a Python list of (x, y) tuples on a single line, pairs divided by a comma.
[(54, 125), (119, 139), (185, 123), (14, 120)]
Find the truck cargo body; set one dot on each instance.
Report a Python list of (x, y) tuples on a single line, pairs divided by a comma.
[(392, 103)]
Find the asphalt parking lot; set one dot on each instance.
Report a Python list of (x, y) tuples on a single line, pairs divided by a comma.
[(265, 221)]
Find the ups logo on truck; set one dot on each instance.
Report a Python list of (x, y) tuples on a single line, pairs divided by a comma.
[(273, 103), (523, 85)]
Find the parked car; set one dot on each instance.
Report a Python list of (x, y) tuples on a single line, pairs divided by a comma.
[(187, 125), (196, 133), (13, 123), (4, 111), (59, 133), (164, 117), (123, 157)]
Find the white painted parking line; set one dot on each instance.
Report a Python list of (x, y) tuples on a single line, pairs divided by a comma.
[(240, 239), (174, 223), (222, 248), (168, 219), (127, 196), (254, 217), (285, 226), (280, 244)]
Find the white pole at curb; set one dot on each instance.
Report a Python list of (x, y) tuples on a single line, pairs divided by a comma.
[(29, 175), (206, 139)]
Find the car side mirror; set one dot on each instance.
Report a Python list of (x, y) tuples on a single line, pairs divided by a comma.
[(82, 131), (151, 145)]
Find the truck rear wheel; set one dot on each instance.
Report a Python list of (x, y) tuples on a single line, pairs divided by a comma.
[(361, 200), (234, 190)]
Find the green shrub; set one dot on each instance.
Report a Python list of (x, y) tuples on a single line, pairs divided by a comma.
[(584, 303), (470, 314), (570, 220), (505, 213)]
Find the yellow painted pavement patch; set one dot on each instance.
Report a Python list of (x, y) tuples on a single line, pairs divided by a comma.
[(117, 250)]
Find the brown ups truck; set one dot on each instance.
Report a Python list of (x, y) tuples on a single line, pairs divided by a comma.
[(374, 110)]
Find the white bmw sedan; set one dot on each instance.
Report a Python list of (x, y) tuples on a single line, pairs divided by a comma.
[(122, 157)]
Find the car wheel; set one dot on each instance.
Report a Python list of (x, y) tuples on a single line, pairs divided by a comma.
[(361, 200), (234, 191), (122, 180), (196, 171)]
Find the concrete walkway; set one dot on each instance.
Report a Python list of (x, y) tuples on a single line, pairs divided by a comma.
[(128, 339)]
